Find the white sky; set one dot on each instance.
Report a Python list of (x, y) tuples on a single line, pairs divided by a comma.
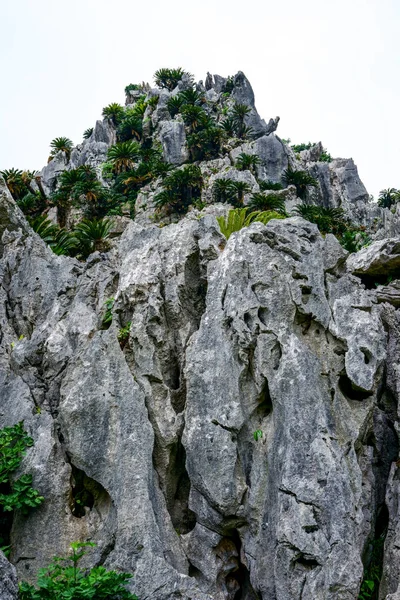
[(328, 69)]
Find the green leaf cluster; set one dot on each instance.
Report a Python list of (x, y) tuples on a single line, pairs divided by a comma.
[(169, 78), (15, 494), (181, 188), (302, 180), (65, 579), (238, 218)]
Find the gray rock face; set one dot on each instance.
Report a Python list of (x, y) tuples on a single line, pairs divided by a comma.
[(380, 258), (173, 139), (8, 580), (243, 94), (233, 432), (264, 333)]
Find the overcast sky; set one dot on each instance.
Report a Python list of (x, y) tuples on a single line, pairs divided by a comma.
[(328, 69)]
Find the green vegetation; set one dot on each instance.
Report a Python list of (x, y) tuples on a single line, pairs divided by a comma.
[(61, 144), (325, 157), (123, 335), (258, 434), (87, 133), (131, 87), (300, 147), (222, 190), (181, 188), (239, 217), (269, 185), (169, 78), (107, 318), (353, 239), (261, 201), (302, 180), (329, 220), (114, 112), (373, 571), (15, 494), (123, 155), (247, 162), (387, 198), (92, 236), (65, 579)]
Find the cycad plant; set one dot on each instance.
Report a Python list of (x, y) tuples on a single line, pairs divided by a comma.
[(238, 218), (62, 242), (302, 180), (130, 127), (194, 116), (247, 162), (114, 112), (175, 104), (61, 144), (181, 188), (388, 197), (191, 96), (259, 201), (30, 204), (87, 133), (328, 220), (239, 112), (223, 191), (168, 78), (205, 144), (15, 184), (123, 155), (240, 188), (269, 185), (92, 235)]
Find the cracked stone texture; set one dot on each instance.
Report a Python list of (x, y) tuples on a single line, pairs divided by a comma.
[(275, 331), (8, 580)]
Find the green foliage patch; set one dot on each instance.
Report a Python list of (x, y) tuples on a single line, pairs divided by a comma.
[(65, 579), (238, 218)]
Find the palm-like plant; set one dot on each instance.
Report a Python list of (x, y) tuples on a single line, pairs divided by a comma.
[(140, 107), (87, 133), (239, 112), (269, 185), (263, 202), (61, 144), (247, 162), (168, 78), (114, 112), (328, 220), (15, 184), (27, 177), (388, 197), (175, 104), (194, 117), (123, 155), (92, 235), (240, 188), (30, 203), (302, 180), (222, 190), (205, 144), (130, 127), (238, 218), (229, 126), (191, 96), (44, 227), (181, 188)]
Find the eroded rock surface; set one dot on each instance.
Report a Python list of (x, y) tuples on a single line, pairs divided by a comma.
[(269, 333)]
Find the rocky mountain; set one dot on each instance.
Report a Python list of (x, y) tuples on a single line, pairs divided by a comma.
[(220, 416)]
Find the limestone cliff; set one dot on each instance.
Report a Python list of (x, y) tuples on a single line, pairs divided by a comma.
[(277, 332)]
